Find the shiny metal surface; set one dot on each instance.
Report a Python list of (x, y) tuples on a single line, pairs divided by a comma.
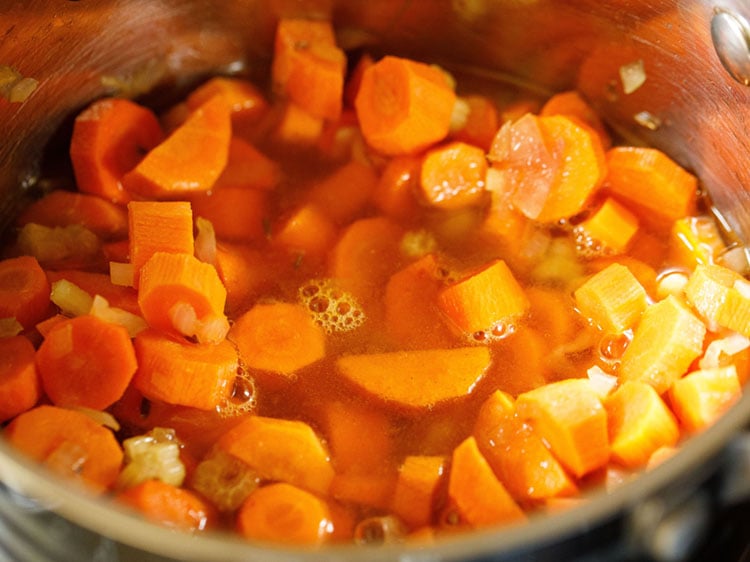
[(689, 105), (731, 37)]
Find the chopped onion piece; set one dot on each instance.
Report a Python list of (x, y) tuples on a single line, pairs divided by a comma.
[(460, 114), (602, 382), (743, 287), (205, 241), (183, 318), (70, 298), (133, 323), (10, 327), (672, 283), (736, 259), (728, 346), (122, 274), (103, 418), (153, 456), (633, 76)]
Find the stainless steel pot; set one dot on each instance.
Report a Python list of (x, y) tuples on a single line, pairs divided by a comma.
[(694, 104)]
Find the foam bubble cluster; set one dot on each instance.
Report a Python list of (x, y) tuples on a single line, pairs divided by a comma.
[(331, 308), (588, 247)]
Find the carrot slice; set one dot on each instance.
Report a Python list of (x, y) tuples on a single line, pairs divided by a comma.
[(279, 449), (293, 126), (246, 103), (481, 123), (395, 193), (69, 442), (404, 106), (24, 290), (419, 478), (169, 505), (639, 423), (284, 514), (480, 498), (100, 284), (343, 194), (609, 230), (179, 294), (64, 208), (278, 337), (701, 397), (418, 379), (571, 104), (238, 214), (358, 436), (86, 362), (453, 176), (188, 161), (666, 341), (306, 231), (570, 417), (248, 167), (244, 271), (184, 373), (20, 388), (109, 138)]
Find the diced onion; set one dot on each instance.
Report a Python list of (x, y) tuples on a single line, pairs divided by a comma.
[(633, 76), (728, 346), (133, 323), (121, 274), (602, 382), (205, 241), (70, 298), (10, 327)]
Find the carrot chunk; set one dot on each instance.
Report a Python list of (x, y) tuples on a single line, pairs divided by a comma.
[(246, 103), (24, 290), (570, 417), (639, 423), (699, 398), (404, 106), (278, 337), (179, 372), (86, 362), (609, 230), (695, 240), (69, 442), (100, 284), (417, 379), (238, 214), (306, 231), (20, 388), (343, 194), (453, 175), (279, 449), (108, 140), (571, 104), (248, 167), (396, 192), (419, 478), (666, 341), (188, 161), (612, 299), (479, 497), (480, 124), (357, 436), (721, 296)]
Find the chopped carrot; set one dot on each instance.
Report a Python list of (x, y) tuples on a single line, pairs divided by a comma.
[(527, 362), (695, 240), (404, 106), (412, 317), (284, 514), (571, 104), (609, 230), (24, 290), (721, 296), (69, 441), (179, 294), (639, 423), (64, 208), (453, 175), (248, 167), (419, 478), (246, 103), (666, 341), (569, 416), (480, 498), (45, 326), (373, 488), (481, 123), (169, 505), (357, 436), (244, 271), (343, 194), (188, 374), (237, 213), (306, 231), (517, 455), (551, 314), (649, 179), (341, 140), (293, 126), (278, 449), (188, 161), (395, 193), (308, 67), (645, 273), (612, 299), (20, 389), (417, 379), (699, 398), (488, 301), (278, 337), (101, 284), (86, 362), (109, 138), (159, 226)]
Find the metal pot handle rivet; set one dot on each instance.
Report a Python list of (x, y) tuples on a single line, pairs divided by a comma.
[(730, 33)]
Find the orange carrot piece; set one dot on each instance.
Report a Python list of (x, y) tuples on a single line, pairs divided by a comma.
[(343, 194), (179, 372), (526, 362), (248, 167), (571, 104), (49, 434), (244, 271), (278, 337), (357, 436), (86, 362), (24, 290), (282, 513), (20, 388), (109, 138), (284, 450), (701, 397), (645, 273), (417, 379), (188, 161), (639, 423), (45, 326), (480, 498), (609, 230), (453, 176), (64, 208), (517, 454), (569, 416), (666, 341), (721, 296), (246, 103), (419, 478), (371, 489), (488, 301), (308, 67), (481, 124), (396, 192), (293, 126), (169, 505), (237, 213), (305, 231), (100, 284), (404, 106), (612, 299), (695, 240), (412, 317), (649, 179)]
